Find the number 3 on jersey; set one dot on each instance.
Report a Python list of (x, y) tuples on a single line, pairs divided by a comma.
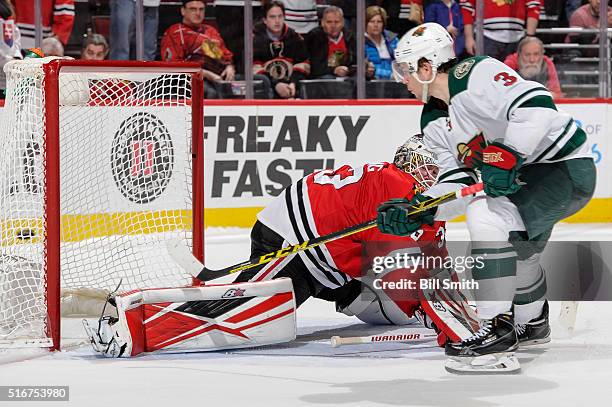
[(508, 79), (344, 175)]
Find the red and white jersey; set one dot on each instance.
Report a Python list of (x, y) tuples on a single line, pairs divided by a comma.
[(57, 20), (331, 200), (301, 15), (504, 20), (406, 6)]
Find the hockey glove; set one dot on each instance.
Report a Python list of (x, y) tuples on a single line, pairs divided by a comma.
[(393, 216), (499, 170)]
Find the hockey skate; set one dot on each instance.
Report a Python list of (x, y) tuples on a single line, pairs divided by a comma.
[(488, 351), (536, 331)]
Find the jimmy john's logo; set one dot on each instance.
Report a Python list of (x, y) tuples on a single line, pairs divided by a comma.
[(464, 68), (142, 158), (470, 153)]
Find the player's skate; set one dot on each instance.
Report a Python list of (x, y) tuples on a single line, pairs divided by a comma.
[(536, 331), (490, 350)]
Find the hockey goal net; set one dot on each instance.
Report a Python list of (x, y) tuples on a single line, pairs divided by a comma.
[(100, 164)]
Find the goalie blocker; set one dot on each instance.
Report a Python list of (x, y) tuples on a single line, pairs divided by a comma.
[(212, 317)]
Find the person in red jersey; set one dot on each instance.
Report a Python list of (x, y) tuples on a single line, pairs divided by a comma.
[(331, 200), (57, 20), (193, 40)]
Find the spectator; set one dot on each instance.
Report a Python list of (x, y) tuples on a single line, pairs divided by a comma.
[(10, 47), (52, 47), (95, 48), (587, 16), (279, 52), (348, 9), (447, 13), (122, 26), (331, 48), (380, 44), (531, 63), (505, 23), (301, 15), (57, 20), (402, 14), (192, 40), (570, 7), (230, 20)]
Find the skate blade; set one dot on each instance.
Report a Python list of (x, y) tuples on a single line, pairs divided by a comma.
[(534, 342), (497, 363)]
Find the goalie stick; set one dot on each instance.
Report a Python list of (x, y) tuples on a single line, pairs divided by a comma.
[(567, 315), (182, 255), (414, 335)]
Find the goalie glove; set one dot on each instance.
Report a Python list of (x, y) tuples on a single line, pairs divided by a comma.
[(393, 216), (109, 338), (499, 172)]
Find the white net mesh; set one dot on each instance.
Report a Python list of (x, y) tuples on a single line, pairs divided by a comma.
[(125, 182)]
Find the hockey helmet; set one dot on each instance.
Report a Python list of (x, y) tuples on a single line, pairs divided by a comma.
[(415, 159), (430, 41)]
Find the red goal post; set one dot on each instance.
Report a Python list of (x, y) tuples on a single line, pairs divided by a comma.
[(72, 218)]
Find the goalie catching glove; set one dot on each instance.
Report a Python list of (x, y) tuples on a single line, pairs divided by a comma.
[(393, 216), (191, 319), (499, 172)]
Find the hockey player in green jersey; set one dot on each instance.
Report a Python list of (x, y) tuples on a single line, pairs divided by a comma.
[(482, 117)]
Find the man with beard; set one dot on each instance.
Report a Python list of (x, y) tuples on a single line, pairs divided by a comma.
[(531, 63)]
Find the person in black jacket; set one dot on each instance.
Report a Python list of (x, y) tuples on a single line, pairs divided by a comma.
[(279, 52), (331, 48)]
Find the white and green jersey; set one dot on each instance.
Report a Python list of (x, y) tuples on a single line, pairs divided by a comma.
[(436, 129), (489, 98), (490, 102)]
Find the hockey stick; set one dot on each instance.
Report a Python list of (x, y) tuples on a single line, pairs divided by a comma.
[(416, 335), (567, 315), (181, 254)]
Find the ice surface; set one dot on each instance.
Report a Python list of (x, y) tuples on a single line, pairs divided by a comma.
[(570, 371)]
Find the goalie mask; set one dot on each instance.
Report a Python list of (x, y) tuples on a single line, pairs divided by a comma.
[(412, 157), (430, 41)]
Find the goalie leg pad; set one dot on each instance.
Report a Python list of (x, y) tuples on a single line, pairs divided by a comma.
[(449, 311), (212, 317)]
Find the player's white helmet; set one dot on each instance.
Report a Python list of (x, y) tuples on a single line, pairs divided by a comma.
[(430, 41), (415, 159)]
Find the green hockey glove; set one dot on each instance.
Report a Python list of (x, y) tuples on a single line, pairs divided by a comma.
[(500, 164), (393, 216)]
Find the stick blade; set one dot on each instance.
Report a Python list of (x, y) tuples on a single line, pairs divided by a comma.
[(182, 255), (567, 316)]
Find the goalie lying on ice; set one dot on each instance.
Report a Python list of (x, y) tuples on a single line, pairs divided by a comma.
[(319, 204)]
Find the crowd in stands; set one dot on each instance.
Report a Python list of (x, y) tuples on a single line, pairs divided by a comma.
[(295, 41)]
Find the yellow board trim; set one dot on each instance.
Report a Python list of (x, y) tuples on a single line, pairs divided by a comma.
[(81, 227), (231, 217), (598, 210), (76, 228)]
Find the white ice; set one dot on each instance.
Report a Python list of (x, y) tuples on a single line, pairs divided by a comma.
[(570, 371)]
